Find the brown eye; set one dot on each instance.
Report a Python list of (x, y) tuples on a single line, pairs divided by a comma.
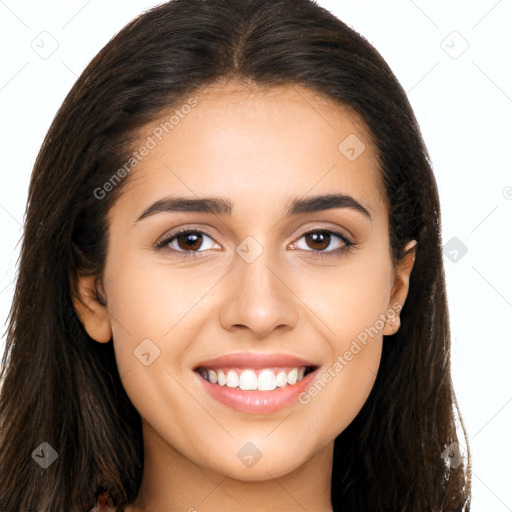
[(318, 241), (187, 242), (190, 241)]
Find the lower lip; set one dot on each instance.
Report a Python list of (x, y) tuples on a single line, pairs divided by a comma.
[(258, 402)]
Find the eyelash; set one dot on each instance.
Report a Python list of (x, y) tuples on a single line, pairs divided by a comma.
[(349, 244)]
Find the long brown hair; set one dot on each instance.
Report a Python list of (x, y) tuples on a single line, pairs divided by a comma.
[(62, 388)]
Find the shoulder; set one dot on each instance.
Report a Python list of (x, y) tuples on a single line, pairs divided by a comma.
[(103, 503)]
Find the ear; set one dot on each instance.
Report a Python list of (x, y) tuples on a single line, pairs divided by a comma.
[(400, 288), (91, 308)]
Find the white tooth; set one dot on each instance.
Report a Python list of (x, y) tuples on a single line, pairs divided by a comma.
[(291, 378), (232, 379), (281, 379), (266, 380), (248, 380)]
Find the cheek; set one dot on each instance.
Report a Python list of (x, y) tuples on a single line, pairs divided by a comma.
[(351, 320), (150, 307), (347, 300), (148, 298), (154, 309), (336, 397), (350, 306)]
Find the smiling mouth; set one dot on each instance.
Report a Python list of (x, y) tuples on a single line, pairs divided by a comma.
[(260, 379)]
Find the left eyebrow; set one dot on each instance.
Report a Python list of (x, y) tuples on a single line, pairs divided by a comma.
[(223, 206)]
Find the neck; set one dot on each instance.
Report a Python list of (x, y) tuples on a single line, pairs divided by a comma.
[(172, 482)]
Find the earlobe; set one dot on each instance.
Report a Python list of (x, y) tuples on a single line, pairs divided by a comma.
[(400, 289), (91, 308)]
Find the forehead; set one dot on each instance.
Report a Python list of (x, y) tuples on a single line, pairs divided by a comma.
[(271, 143)]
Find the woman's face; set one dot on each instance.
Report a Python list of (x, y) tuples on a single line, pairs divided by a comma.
[(255, 273)]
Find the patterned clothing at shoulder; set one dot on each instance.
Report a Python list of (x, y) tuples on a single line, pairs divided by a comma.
[(103, 503)]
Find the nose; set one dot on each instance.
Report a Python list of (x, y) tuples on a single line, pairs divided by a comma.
[(259, 299)]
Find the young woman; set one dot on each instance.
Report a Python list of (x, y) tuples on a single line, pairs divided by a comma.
[(231, 290)]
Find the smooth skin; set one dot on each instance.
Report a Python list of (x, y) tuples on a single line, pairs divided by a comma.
[(258, 148)]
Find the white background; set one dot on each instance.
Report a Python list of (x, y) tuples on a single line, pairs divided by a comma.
[(463, 102)]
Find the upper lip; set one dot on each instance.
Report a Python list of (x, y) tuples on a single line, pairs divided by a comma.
[(254, 360)]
